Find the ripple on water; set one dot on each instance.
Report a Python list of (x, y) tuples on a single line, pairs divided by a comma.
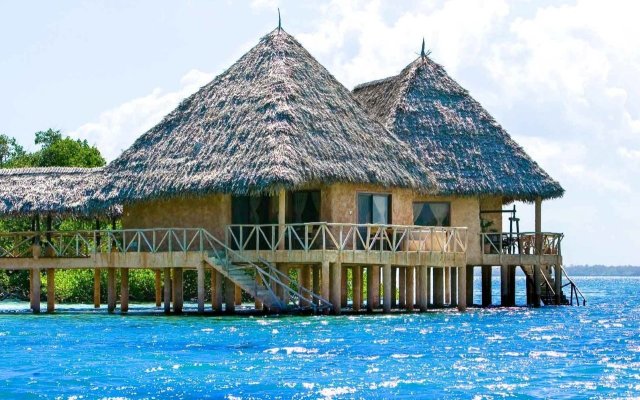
[(591, 351)]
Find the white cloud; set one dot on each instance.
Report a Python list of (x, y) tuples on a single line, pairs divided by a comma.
[(117, 128)]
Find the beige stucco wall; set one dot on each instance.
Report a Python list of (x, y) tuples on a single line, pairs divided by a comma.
[(339, 205), (212, 212)]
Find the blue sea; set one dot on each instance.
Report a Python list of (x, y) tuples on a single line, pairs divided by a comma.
[(551, 352)]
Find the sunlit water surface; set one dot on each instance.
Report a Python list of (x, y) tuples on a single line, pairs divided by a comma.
[(565, 352)]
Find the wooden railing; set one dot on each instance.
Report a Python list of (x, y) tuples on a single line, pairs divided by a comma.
[(346, 237), (306, 237), (520, 243)]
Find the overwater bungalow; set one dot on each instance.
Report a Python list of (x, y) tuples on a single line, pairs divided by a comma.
[(381, 199)]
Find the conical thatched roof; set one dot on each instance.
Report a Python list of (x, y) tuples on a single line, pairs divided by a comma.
[(275, 119), (466, 149), (55, 190)]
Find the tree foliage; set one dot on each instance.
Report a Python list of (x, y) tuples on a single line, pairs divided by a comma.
[(55, 150)]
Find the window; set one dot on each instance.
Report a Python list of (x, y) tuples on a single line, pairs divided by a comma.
[(374, 208), (303, 206), (432, 214)]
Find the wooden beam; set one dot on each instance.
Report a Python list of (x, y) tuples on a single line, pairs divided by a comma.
[(537, 273), (229, 296), (462, 287), (51, 290), (167, 289), (438, 286), (411, 287), (386, 282), (178, 288), (454, 286), (238, 295), (356, 272), (336, 286), (217, 295), (423, 302), (96, 287), (158, 287), (394, 287), (200, 284), (316, 280), (124, 290), (402, 287), (486, 285), (111, 290), (468, 279), (343, 287), (35, 290), (325, 280)]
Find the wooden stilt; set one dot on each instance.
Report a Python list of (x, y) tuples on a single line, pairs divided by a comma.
[(336, 286), (429, 290), (325, 280), (200, 287), (469, 284), (158, 287), (504, 286), (537, 273), (512, 285), (305, 282), (423, 303), (35, 290), (31, 289), (51, 290), (229, 296), (486, 286), (375, 281), (124, 290), (447, 285), (178, 297), (343, 287), (257, 303), (454, 286), (394, 287), (356, 273), (558, 283), (316, 280), (96, 288), (462, 287), (111, 290), (217, 295), (438, 286), (370, 289), (238, 295), (402, 287), (167, 290), (411, 287), (386, 282)]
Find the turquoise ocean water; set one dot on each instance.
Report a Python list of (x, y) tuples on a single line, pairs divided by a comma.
[(566, 352)]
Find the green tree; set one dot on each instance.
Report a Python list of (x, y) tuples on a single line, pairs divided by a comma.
[(10, 151), (58, 151)]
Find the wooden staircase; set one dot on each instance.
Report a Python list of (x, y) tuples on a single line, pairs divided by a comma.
[(260, 280), (547, 287)]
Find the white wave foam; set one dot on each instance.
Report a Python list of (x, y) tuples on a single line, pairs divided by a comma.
[(551, 353)]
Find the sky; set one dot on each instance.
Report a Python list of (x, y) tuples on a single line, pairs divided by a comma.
[(560, 76)]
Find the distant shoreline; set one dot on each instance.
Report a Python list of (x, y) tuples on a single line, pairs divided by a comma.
[(602, 270)]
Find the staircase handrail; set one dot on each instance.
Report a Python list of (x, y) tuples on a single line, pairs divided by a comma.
[(260, 270), (292, 292), (574, 286)]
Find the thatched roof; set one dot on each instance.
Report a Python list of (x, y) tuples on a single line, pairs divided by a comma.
[(464, 147), (275, 119), (55, 190)]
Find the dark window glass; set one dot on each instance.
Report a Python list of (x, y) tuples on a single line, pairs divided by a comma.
[(303, 206), (374, 208), (431, 214)]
